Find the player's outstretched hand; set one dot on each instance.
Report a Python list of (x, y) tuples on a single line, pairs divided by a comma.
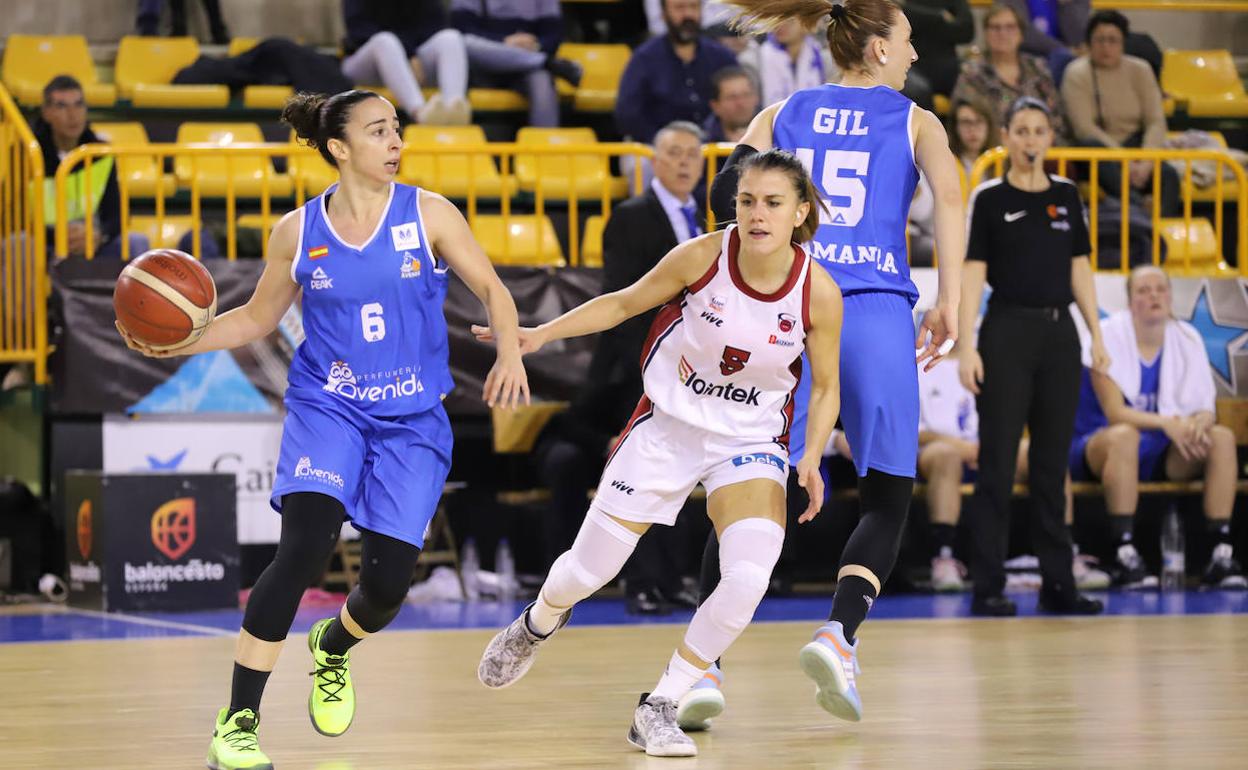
[(937, 334), (530, 338), (507, 383), (134, 344), (809, 478)]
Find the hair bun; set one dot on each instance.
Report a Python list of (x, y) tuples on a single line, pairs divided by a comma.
[(837, 12)]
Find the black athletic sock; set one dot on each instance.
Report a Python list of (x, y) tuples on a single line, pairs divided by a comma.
[(247, 688), (853, 599), (337, 639), (1121, 526), (943, 536), (1219, 531)]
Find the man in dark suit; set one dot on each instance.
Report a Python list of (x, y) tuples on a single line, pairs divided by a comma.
[(572, 450)]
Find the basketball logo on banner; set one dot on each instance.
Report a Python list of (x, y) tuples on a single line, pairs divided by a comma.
[(85, 529), (173, 527)]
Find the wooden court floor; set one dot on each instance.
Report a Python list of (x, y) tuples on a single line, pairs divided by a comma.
[(1163, 692)]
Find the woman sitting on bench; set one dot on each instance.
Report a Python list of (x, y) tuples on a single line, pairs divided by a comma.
[(1152, 419)]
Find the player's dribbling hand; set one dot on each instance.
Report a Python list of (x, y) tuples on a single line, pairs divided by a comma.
[(809, 478), (134, 344), (937, 334), (507, 383), (529, 338)]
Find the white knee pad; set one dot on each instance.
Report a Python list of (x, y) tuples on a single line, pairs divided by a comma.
[(598, 554), (748, 551)]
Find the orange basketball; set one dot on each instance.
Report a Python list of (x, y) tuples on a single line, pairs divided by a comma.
[(165, 299)]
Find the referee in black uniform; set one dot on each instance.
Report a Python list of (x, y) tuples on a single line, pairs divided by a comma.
[(1029, 239)]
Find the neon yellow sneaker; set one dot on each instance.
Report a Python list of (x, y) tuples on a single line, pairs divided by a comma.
[(331, 705), (235, 744)]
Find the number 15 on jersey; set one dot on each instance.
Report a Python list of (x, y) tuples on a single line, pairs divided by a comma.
[(845, 193)]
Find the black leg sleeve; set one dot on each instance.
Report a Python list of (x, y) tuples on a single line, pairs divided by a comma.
[(386, 567)]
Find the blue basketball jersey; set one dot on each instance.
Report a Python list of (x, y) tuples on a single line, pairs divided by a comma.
[(375, 333), (1089, 417), (855, 142)]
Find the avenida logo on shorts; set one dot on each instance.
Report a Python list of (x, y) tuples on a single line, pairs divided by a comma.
[(304, 470), (342, 380)]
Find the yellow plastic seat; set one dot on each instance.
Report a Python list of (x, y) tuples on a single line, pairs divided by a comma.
[(140, 174), (452, 175), (940, 104), (603, 65), (266, 97), (520, 240), (241, 45), (591, 241), (565, 176), (1206, 81), (145, 69), (307, 167), (248, 172), (171, 229), (30, 61), (497, 100), (1206, 252)]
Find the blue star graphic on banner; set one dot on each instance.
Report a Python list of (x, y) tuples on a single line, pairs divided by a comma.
[(1219, 339), (156, 464)]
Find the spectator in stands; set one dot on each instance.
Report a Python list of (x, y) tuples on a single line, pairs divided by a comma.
[(786, 60), (572, 451), (62, 126), (1005, 74), (1055, 31), (512, 45), (715, 18), (734, 103), (403, 45), (148, 20), (1114, 101), (973, 124), (939, 27), (1151, 418), (669, 78)]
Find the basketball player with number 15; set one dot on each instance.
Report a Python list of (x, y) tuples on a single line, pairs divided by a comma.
[(863, 144), (365, 437)]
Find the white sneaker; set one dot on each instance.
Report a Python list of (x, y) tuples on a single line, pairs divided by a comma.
[(510, 654), (654, 729), (703, 702), (947, 574), (1087, 577)]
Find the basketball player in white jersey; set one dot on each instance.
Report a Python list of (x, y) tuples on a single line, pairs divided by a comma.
[(720, 367)]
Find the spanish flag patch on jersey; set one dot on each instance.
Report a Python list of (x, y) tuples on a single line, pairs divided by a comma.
[(318, 252)]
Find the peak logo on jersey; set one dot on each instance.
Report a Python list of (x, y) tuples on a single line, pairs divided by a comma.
[(173, 527), (712, 319), (411, 266), (725, 390), (342, 381), (304, 470), (843, 254), (321, 279), (405, 236), (759, 457), (718, 304), (318, 252), (786, 322), (774, 340)]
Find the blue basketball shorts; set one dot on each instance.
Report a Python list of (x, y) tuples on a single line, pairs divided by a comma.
[(388, 472), (1153, 446)]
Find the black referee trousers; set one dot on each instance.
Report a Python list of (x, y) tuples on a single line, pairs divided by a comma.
[(1031, 377)]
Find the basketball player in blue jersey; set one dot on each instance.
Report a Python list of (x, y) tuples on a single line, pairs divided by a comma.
[(365, 437), (864, 144)]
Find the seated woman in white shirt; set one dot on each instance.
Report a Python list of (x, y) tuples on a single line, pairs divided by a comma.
[(1152, 418), (787, 60)]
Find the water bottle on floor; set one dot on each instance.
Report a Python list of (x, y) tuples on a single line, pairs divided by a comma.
[(470, 566), (1172, 552), (505, 567)]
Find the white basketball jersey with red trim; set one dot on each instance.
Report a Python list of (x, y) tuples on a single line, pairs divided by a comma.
[(727, 358)]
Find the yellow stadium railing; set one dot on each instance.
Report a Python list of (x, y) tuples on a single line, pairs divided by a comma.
[(995, 159), (505, 155), (23, 245)]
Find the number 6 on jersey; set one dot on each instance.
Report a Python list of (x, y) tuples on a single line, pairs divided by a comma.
[(374, 324)]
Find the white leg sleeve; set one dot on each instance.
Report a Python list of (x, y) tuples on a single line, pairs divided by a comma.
[(598, 554), (748, 550)]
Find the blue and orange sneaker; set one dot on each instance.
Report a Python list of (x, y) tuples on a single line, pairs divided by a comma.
[(833, 663), (703, 702)]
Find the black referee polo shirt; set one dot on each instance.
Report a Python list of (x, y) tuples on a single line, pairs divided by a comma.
[(1028, 240)]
